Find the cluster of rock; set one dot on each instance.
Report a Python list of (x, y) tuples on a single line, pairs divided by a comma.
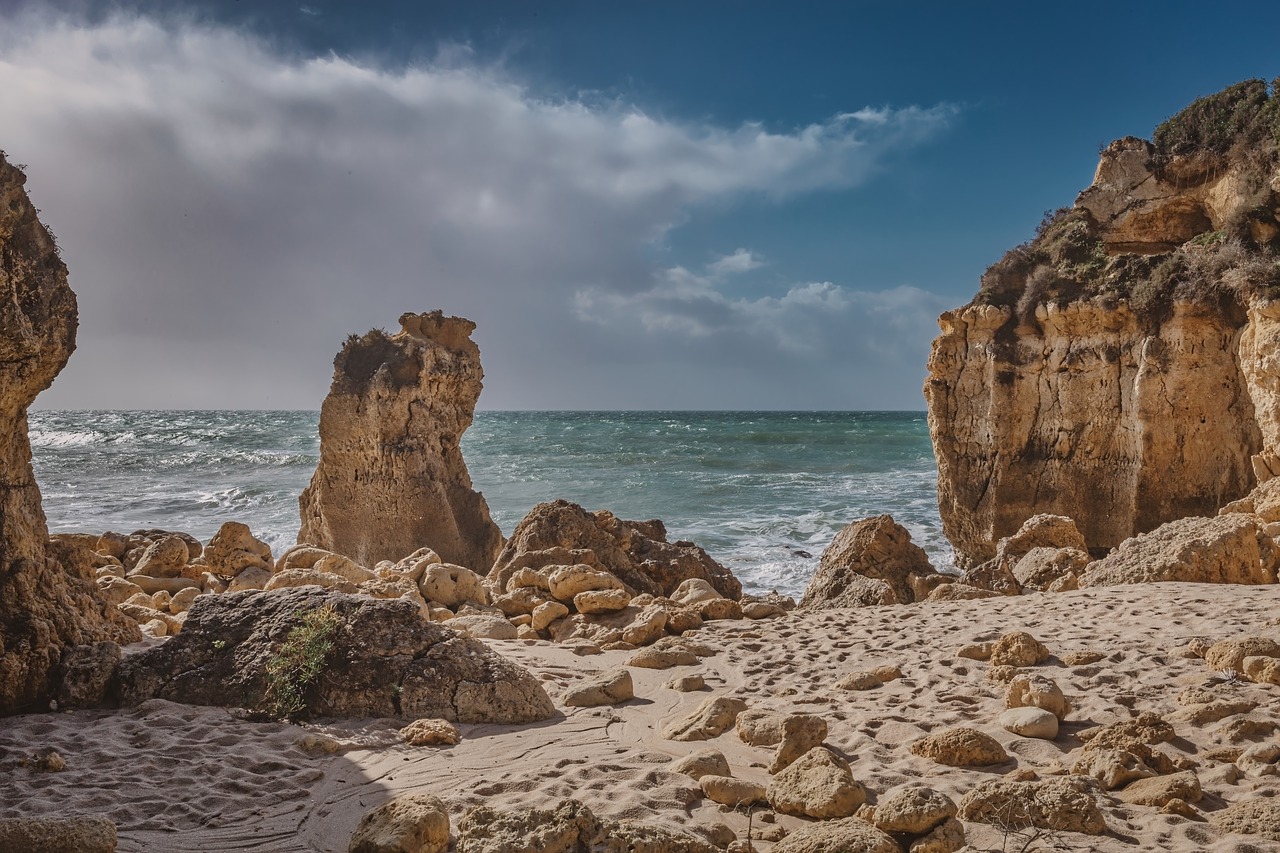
[(1120, 368)]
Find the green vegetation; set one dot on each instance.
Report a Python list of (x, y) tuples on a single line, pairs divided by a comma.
[(1244, 115), (296, 666)]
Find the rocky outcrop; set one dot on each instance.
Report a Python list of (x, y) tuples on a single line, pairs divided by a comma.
[(872, 561), (1231, 548), (1120, 369), (46, 606), (391, 477), (373, 658), (560, 533)]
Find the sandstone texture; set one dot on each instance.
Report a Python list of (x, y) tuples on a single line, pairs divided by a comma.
[(385, 661), (850, 835), (1065, 804), (1121, 367), (869, 562), (391, 477), (1230, 548), (48, 601), (570, 827), (58, 835), (637, 553), (411, 822)]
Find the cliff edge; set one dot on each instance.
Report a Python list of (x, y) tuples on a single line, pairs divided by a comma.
[(391, 477), (1123, 367), (45, 608)]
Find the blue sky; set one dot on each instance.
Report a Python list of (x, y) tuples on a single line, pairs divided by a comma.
[(657, 205)]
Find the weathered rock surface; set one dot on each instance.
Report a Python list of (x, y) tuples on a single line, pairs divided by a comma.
[(712, 718), (850, 835), (411, 823), (876, 549), (607, 688), (1121, 368), (1064, 804), (45, 605), (560, 533), (1230, 548), (391, 477), (385, 661), (960, 747), (58, 835), (570, 827), (1251, 817), (817, 784)]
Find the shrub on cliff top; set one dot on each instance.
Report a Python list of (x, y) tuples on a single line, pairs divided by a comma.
[(1244, 114)]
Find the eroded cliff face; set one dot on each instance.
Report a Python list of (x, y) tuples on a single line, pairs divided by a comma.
[(391, 477), (1122, 368), (44, 606)]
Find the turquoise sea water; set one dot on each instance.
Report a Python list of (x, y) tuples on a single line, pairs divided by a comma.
[(763, 492)]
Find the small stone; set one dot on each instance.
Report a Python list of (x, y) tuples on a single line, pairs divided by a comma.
[(411, 823), (913, 809), (712, 718), (1030, 722), (975, 651), (800, 733), (817, 784), (686, 683), (546, 613), (601, 601), (1018, 648), (732, 792), (608, 688), (706, 762), (859, 681), (961, 747), (1029, 690), (430, 732), (655, 658)]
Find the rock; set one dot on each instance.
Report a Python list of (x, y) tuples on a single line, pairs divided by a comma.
[(546, 613), (117, 590), (1039, 568), (800, 733), (57, 834), (522, 601), (86, 674), (1037, 691), (1229, 655), (631, 836), (1261, 759), (817, 784), (850, 835), (1018, 648), (975, 651), (431, 733), (254, 578), (731, 792), (1081, 658), (719, 608), (234, 548), (183, 599), (1251, 817), (601, 601), (1113, 768), (164, 558), (569, 828), (608, 688), (656, 658), (291, 578), (567, 582), (1030, 722), (913, 809), (385, 661), (687, 683), (706, 762), (343, 567), (1062, 804), (1262, 669), (411, 823), (710, 719), (760, 727), (694, 591), (451, 586), (762, 610), (484, 627), (946, 837), (635, 552), (960, 747), (876, 549), (1143, 730), (1227, 549), (648, 626), (1160, 790), (961, 592), (859, 681), (1212, 711), (391, 476)]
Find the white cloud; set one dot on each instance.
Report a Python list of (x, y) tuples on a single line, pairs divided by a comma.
[(212, 195)]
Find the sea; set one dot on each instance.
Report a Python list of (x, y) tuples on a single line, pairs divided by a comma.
[(763, 492)]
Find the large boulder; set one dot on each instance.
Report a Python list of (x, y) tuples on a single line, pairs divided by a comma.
[(391, 477), (45, 604), (560, 533), (382, 660), (876, 549), (1231, 548)]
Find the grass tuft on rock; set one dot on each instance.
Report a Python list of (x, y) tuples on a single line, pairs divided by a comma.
[(295, 668)]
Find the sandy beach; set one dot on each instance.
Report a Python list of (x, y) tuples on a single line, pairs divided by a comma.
[(178, 778)]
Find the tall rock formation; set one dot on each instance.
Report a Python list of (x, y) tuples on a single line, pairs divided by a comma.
[(44, 606), (1123, 367), (391, 477)]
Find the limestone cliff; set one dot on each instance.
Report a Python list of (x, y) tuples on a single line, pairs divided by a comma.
[(1123, 367), (391, 477), (44, 606)]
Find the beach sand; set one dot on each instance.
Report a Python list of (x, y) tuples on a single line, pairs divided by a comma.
[(183, 778)]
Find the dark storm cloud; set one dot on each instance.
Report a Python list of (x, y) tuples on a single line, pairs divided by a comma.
[(229, 215)]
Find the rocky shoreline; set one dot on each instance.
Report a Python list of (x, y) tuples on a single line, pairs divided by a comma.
[(1102, 676)]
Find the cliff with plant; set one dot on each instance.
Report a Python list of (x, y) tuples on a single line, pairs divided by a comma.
[(1123, 366)]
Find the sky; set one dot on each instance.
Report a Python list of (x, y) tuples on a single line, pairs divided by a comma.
[(658, 205)]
